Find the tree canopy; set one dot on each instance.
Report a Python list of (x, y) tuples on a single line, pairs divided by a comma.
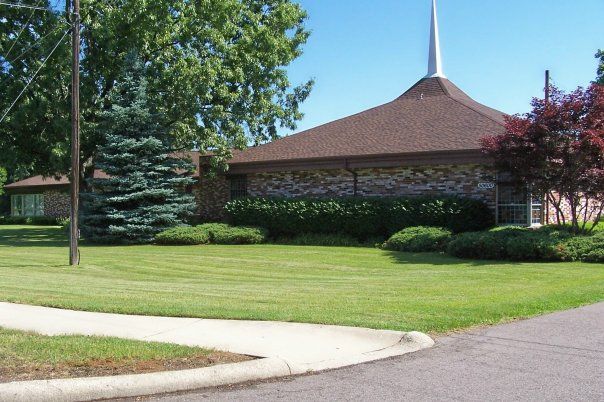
[(557, 149), (217, 69)]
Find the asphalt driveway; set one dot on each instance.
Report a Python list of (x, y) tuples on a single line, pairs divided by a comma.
[(557, 357)]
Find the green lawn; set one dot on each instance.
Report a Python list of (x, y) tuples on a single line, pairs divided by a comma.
[(27, 356), (350, 286)]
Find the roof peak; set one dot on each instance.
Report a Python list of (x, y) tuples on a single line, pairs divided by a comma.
[(435, 68)]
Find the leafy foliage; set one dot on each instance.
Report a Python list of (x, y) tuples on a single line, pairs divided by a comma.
[(221, 233), (143, 193), (419, 239), (360, 218), (318, 239), (31, 220), (216, 69), (183, 235), (3, 178), (549, 243), (558, 150)]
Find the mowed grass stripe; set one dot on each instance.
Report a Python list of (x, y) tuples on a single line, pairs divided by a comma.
[(349, 286)]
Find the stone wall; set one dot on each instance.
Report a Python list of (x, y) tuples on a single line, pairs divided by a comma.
[(461, 180), (56, 204)]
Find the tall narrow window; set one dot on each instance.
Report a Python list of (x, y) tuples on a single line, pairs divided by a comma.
[(238, 187)]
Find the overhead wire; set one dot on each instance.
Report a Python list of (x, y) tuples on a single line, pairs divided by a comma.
[(34, 76)]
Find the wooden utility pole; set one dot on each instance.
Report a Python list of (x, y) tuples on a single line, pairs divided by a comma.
[(546, 86), (74, 234)]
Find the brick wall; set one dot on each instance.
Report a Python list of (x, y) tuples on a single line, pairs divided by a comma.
[(56, 204), (460, 180), (211, 194)]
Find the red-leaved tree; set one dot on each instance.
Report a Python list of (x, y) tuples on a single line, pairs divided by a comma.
[(557, 150)]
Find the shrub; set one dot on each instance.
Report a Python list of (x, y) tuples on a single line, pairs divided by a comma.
[(361, 218), (183, 235), (583, 248), (318, 239), (221, 233), (549, 243), (479, 245), (418, 239), (30, 220)]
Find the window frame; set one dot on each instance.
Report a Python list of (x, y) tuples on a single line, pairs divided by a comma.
[(238, 186), (532, 205), (27, 205)]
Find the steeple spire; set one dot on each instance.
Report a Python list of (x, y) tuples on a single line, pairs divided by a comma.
[(435, 68)]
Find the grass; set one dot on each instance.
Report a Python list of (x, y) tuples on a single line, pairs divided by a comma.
[(332, 285), (26, 356)]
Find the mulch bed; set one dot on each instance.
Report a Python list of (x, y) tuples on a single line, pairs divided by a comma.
[(99, 368)]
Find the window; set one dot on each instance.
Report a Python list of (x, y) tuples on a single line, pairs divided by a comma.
[(27, 205), (238, 187), (516, 206)]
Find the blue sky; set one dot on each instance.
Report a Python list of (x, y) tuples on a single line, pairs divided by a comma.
[(364, 53)]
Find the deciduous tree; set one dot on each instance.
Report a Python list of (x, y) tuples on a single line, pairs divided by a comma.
[(557, 150), (217, 69)]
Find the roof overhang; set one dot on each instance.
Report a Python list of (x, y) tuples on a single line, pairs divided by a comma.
[(471, 156)]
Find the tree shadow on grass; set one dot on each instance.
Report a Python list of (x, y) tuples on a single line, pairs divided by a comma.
[(438, 259), (37, 237)]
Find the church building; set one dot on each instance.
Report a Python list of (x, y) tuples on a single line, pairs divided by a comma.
[(425, 142)]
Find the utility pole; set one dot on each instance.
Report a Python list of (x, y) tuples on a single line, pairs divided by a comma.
[(74, 233), (546, 86)]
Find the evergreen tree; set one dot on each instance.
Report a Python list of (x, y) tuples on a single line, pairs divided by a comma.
[(600, 77), (144, 193)]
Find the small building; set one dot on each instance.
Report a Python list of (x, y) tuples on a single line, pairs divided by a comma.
[(425, 142)]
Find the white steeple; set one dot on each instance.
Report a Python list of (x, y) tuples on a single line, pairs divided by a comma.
[(435, 68)]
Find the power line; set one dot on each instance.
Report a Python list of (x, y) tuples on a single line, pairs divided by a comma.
[(18, 5), (22, 29), (34, 76), (33, 45)]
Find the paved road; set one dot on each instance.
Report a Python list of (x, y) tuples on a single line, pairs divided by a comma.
[(557, 357)]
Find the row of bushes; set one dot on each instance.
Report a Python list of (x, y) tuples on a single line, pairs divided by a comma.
[(361, 218), (215, 233), (513, 243), (32, 220)]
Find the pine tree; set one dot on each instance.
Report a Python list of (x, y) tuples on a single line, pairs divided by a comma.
[(144, 191)]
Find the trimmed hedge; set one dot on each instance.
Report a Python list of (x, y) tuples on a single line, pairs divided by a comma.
[(216, 233), (183, 235), (418, 239), (31, 220), (318, 239), (548, 243), (221, 233), (361, 218)]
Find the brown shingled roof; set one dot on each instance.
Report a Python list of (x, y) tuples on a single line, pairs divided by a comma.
[(41, 181), (433, 115)]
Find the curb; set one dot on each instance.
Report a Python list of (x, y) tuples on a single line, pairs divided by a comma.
[(134, 385)]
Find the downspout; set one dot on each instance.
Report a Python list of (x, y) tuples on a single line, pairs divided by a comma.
[(355, 177)]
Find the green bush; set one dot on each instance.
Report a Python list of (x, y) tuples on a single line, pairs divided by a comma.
[(183, 235), (319, 239), (361, 218), (221, 233), (419, 239), (549, 243), (583, 248), (30, 220)]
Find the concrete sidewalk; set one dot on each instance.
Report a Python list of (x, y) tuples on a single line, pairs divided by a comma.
[(303, 347), (555, 357)]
